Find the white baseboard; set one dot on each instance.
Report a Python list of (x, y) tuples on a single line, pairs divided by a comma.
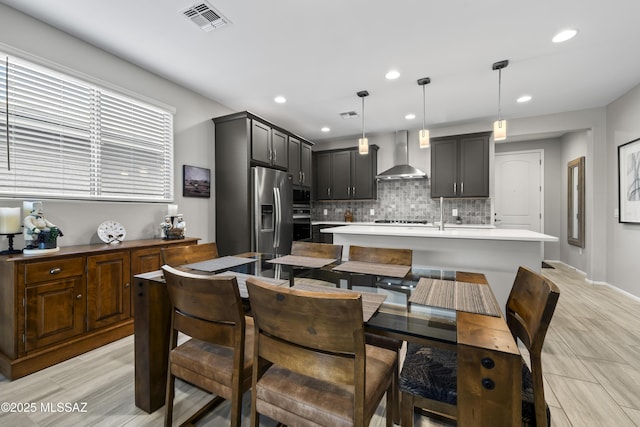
[(598, 283)]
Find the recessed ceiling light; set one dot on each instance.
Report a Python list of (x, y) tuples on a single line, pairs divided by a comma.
[(564, 35), (410, 116), (524, 98), (325, 129), (280, 99), (392, 75)]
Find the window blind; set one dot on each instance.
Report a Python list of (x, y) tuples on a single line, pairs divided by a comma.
[(71, 139)]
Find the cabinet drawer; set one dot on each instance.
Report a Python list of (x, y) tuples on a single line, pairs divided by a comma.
[(53, 269)]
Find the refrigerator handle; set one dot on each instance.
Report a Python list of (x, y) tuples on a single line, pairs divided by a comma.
[(278, 217)]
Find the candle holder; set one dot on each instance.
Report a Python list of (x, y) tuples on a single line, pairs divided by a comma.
[(10, 250)]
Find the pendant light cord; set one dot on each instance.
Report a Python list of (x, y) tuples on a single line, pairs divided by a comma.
[(499, 93), (363, 117), (424, 108), (6, 94)]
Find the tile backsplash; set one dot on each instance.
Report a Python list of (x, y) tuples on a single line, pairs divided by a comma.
[(404, 200)]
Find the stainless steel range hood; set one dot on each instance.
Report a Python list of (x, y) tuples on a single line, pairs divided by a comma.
[(402, 168)]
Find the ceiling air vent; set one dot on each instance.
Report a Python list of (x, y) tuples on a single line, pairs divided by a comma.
[(348, 114), (205, 17)]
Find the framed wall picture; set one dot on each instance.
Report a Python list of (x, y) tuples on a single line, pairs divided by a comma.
[(629, 182), (196, 181)]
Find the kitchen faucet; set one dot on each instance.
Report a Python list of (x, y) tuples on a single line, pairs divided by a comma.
[(441, 214)]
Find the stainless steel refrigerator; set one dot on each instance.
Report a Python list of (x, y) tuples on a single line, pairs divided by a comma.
[(272, 210)]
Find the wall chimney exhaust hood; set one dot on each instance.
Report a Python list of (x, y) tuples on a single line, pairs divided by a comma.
[(402, 169)]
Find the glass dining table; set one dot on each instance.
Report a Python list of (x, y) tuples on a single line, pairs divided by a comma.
[(424, 305)]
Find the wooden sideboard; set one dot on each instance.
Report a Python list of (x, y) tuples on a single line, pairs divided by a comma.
[(56, 306)]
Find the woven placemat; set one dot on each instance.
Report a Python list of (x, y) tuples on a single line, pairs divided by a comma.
[(302, 261), (370, 302), (218, 264), (460, 296), (391, 270)]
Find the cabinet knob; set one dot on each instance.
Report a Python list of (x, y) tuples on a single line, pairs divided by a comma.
[(79, 296), (55, 270), (126, 285)]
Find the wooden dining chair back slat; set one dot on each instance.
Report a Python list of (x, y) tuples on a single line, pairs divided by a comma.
[(316, 250), (218, 355), (322, 371), (530, 307), (429, 375), (375, 255), (187, 254), (381, 255)]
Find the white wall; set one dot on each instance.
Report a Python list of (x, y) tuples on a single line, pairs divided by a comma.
[(623, 240), (193, 133)]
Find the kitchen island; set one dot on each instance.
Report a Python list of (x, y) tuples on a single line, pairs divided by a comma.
[(495, 252)]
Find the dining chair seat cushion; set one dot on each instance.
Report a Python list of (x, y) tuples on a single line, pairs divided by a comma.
[(197, 361), (432, 373), (317, 402)]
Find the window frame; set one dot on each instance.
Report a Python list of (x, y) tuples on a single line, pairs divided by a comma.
[(78, 140)]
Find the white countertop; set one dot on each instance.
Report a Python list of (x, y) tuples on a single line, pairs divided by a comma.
[(449, 232), (398, 224)]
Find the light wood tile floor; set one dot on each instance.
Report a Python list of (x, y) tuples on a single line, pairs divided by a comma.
[(591, 364)]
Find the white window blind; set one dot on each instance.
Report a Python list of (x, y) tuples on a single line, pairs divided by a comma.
[(65, 138)]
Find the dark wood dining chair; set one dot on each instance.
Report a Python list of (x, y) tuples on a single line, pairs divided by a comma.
[(318, 250), (391, 256), (428, 379), (219, 356), (322, 373), (381, 255), (187, 254)]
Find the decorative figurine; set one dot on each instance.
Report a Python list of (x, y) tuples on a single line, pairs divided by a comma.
[(39, 232), (165, 226), (173, 227)]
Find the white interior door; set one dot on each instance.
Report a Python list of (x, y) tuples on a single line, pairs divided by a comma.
[(518, 190)]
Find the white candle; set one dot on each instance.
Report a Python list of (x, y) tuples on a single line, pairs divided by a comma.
[(172, 210), (10, 222)]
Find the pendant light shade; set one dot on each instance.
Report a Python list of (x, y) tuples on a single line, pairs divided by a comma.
[(499, 130), (425, 140), (363, 143), (500, 125)]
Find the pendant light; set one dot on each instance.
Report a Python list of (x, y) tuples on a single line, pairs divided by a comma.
[(363, 143), (424, 132), (500, 126)]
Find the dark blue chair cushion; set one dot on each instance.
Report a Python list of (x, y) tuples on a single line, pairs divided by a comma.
[(431, 373)]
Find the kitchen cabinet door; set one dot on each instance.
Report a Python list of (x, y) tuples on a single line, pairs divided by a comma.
[(323, 176), (363, 170), (444, 168), (474, 167), (305, 164), (300, 162), (294, 160), (341, 175), (279, 151), (108, 289), (260, 142)]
